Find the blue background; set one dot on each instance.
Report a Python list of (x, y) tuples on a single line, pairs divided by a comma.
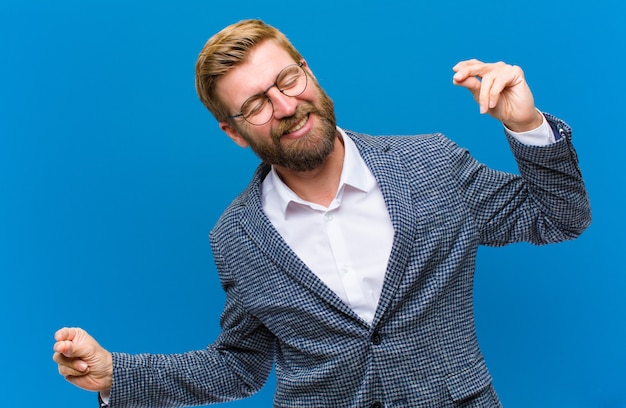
[(112, 174)]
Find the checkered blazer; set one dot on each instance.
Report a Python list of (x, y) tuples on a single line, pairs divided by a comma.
[(421, 349)]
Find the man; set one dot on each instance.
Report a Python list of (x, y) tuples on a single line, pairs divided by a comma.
[(348, 261)]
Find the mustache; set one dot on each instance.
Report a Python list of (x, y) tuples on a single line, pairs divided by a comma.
[(287, 123)]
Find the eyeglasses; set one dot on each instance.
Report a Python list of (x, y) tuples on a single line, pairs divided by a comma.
[(258, 109)]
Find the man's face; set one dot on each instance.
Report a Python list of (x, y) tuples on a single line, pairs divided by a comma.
[(301, 133)]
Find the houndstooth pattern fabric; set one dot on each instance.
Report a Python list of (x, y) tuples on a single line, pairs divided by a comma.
[(421, 349)]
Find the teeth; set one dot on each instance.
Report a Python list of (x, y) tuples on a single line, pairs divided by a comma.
[(299, 125)]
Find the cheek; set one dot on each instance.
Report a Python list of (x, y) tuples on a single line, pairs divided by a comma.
[(313, 92), (257, 135)]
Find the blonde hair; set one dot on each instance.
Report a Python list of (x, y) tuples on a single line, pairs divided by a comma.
[(225, 50)]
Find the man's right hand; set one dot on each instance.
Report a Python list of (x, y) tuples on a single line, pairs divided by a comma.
[(82, 361)]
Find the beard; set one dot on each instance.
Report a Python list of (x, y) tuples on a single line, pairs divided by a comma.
[(303, 154)]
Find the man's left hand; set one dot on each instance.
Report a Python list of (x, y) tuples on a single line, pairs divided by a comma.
[(501, 90)]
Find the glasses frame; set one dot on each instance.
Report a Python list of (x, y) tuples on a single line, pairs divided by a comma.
[(264, 93)]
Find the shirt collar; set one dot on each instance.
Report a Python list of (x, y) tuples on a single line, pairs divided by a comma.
[(354, 173)]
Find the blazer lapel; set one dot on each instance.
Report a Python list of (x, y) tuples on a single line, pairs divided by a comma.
[(261, 231), (393, 182)]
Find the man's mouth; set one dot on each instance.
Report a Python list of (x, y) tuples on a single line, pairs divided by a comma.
[(298, 125)]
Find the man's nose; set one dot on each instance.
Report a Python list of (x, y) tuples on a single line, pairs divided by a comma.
[(284, 106)]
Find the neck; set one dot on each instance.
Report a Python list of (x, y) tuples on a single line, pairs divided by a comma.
[(319, 185)]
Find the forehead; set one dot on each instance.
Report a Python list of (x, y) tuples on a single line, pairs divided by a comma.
[(254, 75)]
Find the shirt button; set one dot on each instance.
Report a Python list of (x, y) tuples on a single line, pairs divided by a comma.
[(376, 338), (329, 217)]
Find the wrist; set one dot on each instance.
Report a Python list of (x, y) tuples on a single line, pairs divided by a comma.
[(526, 126), (109, 370)]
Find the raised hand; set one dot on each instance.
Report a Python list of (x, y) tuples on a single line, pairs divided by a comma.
[(82, 361), (501, 90)]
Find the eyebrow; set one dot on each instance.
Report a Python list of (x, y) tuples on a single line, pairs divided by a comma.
[(262, 93)]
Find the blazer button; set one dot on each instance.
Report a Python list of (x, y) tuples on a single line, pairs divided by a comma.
[(376, 404), (376, 338)]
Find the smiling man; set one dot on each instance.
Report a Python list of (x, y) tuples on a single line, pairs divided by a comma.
[(303, 135), (348, 261)]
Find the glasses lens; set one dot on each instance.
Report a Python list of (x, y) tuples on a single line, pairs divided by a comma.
[(292, 80), (257, 110)]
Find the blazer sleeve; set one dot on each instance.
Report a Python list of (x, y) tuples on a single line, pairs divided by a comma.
[(235, 366), (547, 202)]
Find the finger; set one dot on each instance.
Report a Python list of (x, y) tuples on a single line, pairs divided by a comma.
[(508, 76), (464, 64), (66, 371), (498, 86), (460, 75), (468, 68), (469, 75), (485, 93), (472, 84), (64, 347), (67, 333), (72, 342), (80, 366)]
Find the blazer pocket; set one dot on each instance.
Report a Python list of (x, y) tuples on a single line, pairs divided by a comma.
[(469, 382)]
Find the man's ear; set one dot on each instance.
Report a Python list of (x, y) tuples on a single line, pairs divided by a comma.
[(307, 68), (233, 134)]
